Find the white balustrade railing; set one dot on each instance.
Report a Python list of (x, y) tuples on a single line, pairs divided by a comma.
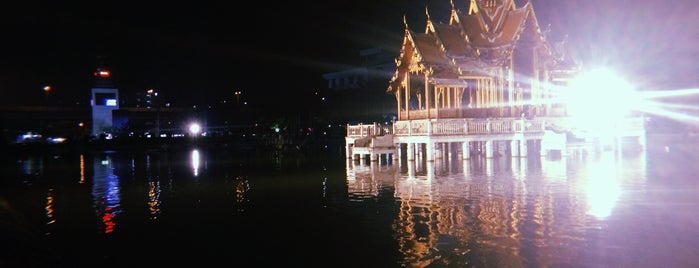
[(451, 127), (476, 127), (362, 130), (445, 127)]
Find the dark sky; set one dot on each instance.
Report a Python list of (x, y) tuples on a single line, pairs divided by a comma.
[(199, 50)]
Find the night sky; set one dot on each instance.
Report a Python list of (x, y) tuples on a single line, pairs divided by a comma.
[(200, 51)]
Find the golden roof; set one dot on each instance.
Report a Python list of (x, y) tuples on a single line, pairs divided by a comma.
[(481, 38)]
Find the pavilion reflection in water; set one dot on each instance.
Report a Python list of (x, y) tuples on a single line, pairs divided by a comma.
[(496, 210)]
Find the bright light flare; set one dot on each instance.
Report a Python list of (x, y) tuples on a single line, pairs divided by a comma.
[(195, 162), (676, 104), (602, 187), (194, 129), (599, 97)]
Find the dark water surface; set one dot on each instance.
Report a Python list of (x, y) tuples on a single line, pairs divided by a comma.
[(209, 207)]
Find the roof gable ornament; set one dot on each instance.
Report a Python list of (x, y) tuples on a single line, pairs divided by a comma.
[(429, 27), (454, 17), (472, 8), (495, 12)]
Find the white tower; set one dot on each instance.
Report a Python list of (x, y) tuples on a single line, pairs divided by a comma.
[(105, 99)]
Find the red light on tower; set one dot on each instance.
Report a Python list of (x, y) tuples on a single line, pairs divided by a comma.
[(103, 73)]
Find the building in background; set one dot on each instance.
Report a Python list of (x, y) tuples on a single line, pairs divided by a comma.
[(104, 100), (358, 93)]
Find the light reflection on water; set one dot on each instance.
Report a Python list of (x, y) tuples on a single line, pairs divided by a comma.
[(106, 192), (504, 212), (597, 210)]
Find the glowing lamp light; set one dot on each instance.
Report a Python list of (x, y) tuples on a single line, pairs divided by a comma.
[(195, 162), (602, 188), (599, 97), (194, 129), (103, 73)]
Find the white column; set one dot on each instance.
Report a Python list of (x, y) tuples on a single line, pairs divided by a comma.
[(430, 151), (514, 146), (410, 151), (399, 152), (489, 149), (442, 151), (467, 167), (544, 149), (466, 149), (430, 169), (523, 148), (642, 141)]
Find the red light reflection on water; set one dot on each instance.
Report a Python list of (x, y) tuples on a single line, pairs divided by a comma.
[(108, 220)]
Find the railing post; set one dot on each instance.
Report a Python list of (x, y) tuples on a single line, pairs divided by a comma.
[(465, 126), (429, 127), (487, 126)]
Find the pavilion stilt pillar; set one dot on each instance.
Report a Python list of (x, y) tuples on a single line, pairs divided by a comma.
[(488, 149), (348, 150), (430, 151), (442, 150), (466, 150)]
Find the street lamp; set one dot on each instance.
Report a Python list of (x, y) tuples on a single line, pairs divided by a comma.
[(194, 129), (47, 89), (237, 97)]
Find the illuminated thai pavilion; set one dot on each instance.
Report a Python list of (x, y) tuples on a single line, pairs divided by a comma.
[(489, 80), (492, 60)]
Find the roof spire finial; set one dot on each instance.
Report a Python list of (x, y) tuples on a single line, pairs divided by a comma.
[(473, 7)]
